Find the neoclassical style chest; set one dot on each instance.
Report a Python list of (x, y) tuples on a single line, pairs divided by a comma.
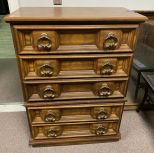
[(74, 66)]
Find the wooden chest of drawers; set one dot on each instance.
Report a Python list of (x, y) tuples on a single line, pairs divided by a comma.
[(74, 66)]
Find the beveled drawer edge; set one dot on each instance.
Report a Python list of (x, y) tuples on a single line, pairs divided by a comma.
[(76, 80), (75, 56), (103, 26), (76, 123), (75, 77), (75, 106), (76, 102)]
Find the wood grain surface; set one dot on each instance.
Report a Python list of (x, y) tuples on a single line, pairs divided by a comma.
[(74, 66), (75, 14)]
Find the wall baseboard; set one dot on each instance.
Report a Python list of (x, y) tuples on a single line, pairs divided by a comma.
[(12, 108)]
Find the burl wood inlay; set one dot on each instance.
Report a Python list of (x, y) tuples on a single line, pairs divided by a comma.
[(74, 66)]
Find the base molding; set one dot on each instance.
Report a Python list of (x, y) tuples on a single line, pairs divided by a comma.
[(74, 141)]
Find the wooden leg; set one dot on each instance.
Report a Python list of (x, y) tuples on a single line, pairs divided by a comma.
[(138, 84), (144, 99)]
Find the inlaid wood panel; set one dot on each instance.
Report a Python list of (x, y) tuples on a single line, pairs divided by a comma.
[(52, 39), (75, 89), (75, 113), (37, 67), (75, 130)]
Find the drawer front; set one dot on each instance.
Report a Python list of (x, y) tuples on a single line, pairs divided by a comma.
[(37, 67), (75, 89), (66, 39), (75, 130), (75, 113)]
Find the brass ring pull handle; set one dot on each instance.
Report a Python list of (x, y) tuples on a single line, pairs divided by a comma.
[(102, 115), (52, 133), (100, 131), (48, 93), (44, 42), (111, 42), (50, 117), (105, 90), (107, 69), (46, 70)]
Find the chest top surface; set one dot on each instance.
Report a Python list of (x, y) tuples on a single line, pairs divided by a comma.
[(104, 14)]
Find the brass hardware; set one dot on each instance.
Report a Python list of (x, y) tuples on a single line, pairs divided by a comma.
[(107, 69), (48, 93), (50, 117), (52, 132), (44, 42), (111, 42), (105, 90), (102, 115), (100, 131), (46, 70)]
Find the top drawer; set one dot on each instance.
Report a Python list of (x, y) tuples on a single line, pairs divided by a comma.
[(73, 39)]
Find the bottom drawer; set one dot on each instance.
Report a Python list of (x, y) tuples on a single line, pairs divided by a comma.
[(75, 130)]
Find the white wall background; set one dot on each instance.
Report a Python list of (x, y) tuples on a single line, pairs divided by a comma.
[(13, 5), (130, 4)]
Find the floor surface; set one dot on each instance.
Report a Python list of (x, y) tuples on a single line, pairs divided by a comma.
[(137, 132), (10, 87), (6, 43)]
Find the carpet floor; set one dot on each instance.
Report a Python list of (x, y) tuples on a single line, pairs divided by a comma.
[(6, 42), (137, 132), (10, 87)]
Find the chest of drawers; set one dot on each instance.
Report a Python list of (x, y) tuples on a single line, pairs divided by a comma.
[(74, 66)]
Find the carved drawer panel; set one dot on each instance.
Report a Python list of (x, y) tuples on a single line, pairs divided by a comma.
[(75, 130), (109, 39), (38, 40), (62, 39), (75, 113), (37, 67), (75, 89)]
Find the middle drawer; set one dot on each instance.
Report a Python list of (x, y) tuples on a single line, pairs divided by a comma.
[(105, 111), (76, 66), (62, 89)]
